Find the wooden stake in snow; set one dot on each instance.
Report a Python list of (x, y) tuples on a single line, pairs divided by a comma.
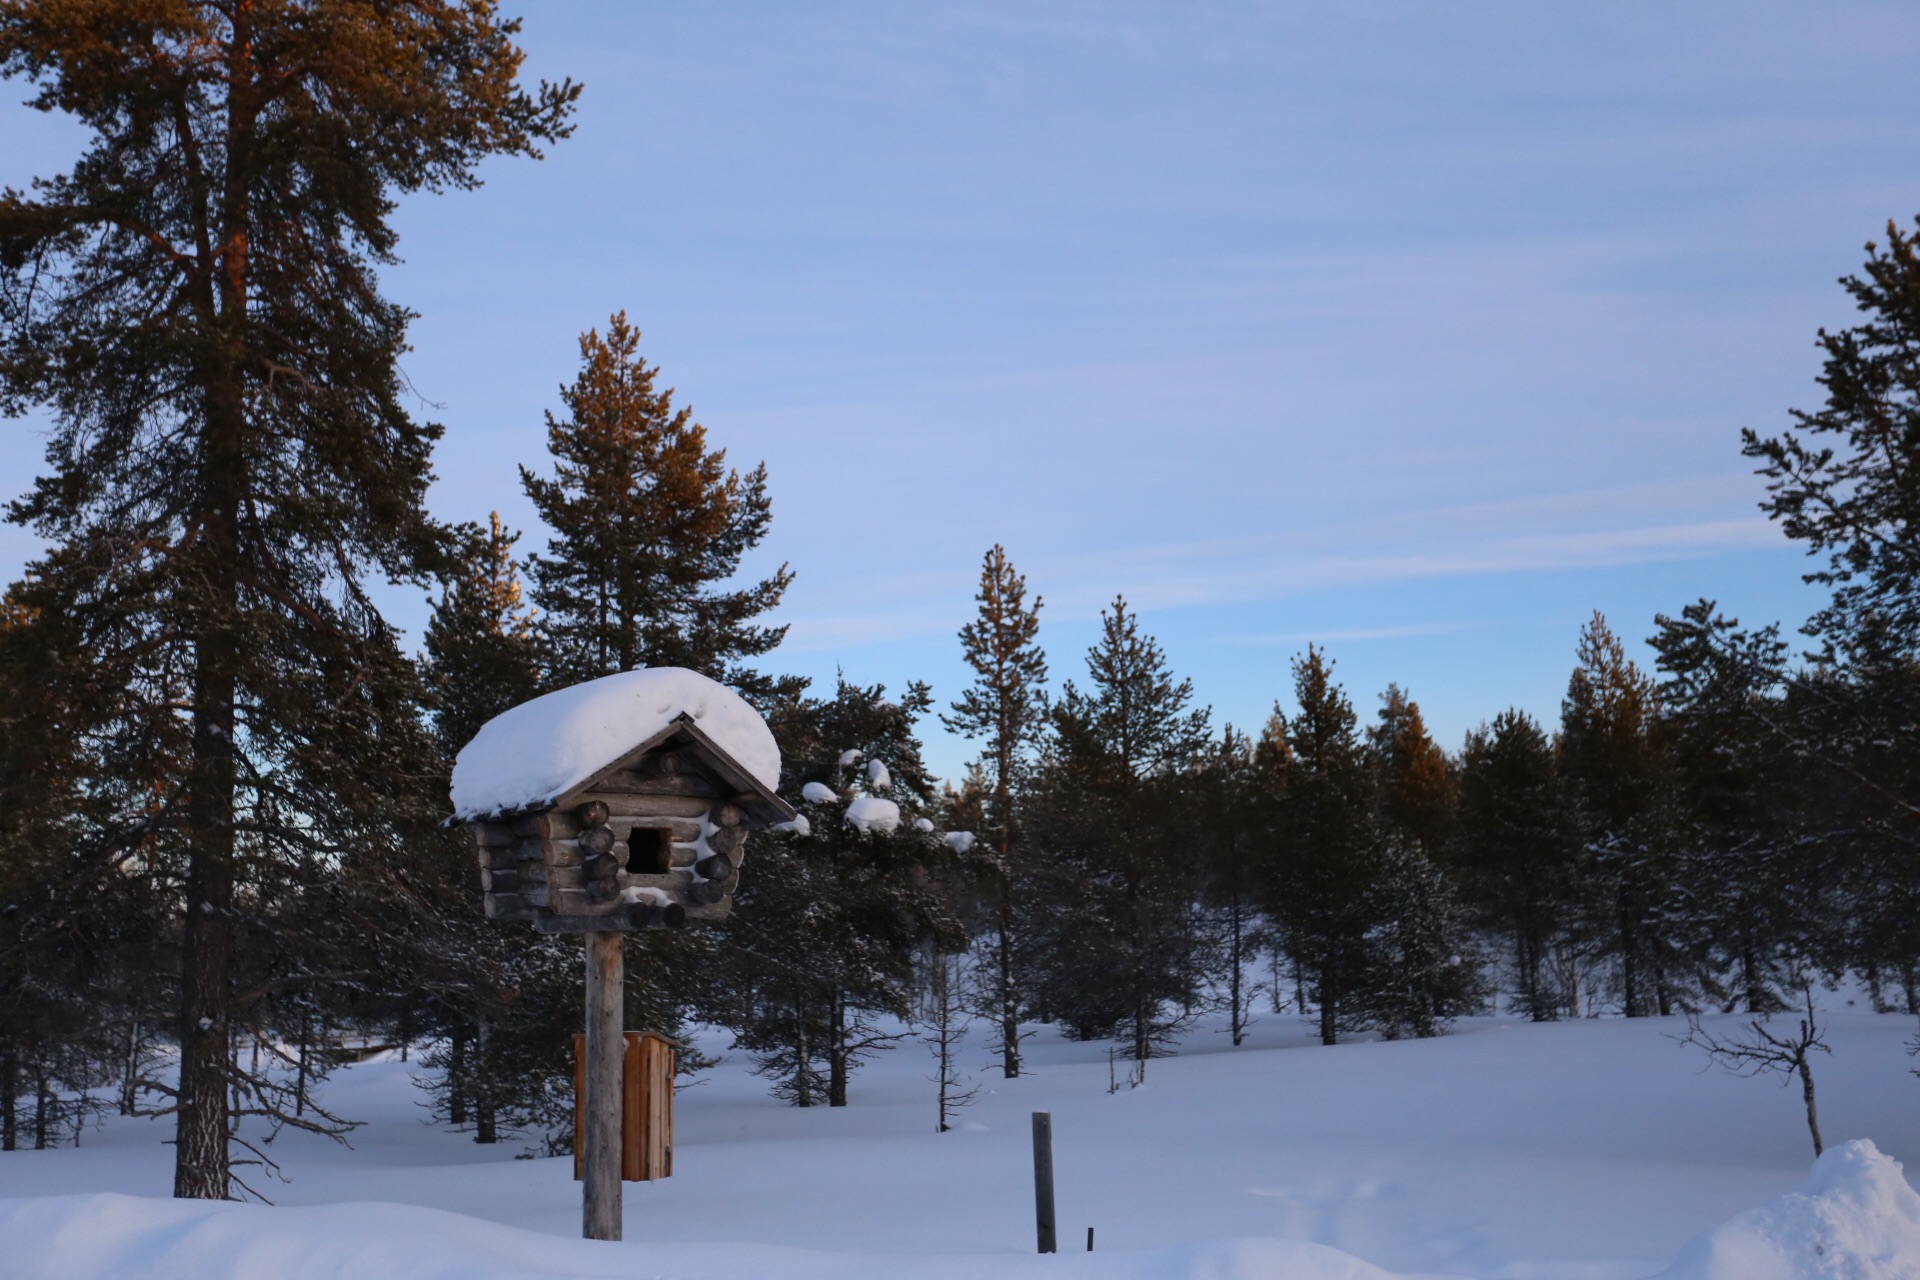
[(1043, 1180)]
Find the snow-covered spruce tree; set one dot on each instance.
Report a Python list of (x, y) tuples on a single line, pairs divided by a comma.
[(1613, 756), (1516, 856), (1421, 967), (1113, 834), (1006, 706), (649, 525), (1742, 795), (830, 911), (197, 303), (1328, 845), (1841, 480)]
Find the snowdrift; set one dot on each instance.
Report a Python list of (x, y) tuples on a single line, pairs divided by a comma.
[(1855, 1218), (115, 1237)]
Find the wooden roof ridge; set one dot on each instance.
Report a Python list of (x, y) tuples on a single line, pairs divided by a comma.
[(753, 792)]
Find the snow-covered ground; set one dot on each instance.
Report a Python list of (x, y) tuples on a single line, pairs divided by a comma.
[(1592, 1150)]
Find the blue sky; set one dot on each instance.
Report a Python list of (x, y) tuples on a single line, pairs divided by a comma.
[(1419, 330)]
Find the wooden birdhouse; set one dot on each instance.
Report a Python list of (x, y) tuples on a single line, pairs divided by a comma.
[(619, 804)]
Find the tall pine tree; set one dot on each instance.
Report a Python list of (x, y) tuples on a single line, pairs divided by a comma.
[(1328, 841), (1006, 705), (1516, 854), (197, 302), (1114, 813), (1612, 755), (1842, 481)]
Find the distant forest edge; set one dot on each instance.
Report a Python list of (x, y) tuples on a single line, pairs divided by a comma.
[(224, 867)]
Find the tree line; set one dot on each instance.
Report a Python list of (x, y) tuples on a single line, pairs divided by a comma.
[(223, 863)]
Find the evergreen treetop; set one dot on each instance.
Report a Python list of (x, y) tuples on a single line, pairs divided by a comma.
[(1135, 714), (482, 655), (1843, 479), (648, 524)]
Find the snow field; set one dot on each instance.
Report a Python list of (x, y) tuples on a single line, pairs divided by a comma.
[(1591, 1150)]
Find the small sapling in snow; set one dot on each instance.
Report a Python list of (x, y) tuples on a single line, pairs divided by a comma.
[(1764, 1051)]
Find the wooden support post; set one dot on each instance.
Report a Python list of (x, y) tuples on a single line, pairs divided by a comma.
[(1043, 1180), (606, 1048)]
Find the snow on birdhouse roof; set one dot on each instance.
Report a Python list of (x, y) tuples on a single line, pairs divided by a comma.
[(530, 756)]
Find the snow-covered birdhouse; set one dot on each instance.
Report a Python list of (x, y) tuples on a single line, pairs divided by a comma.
[(618, 804)]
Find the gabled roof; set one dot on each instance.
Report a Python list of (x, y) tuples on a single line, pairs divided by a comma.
[(528, 757), (685, 735)]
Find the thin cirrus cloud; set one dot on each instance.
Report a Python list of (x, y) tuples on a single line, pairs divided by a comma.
[(1523, 535), (1334, 635)]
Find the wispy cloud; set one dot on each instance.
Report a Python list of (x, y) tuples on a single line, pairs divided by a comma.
[(1326, 634), (1543, 533)]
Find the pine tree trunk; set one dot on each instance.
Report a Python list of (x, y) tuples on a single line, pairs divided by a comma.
[(300, 1069), (943, 1031), (837, 1054), (1237, 1022), (10, 1099), (201, 1168), (1329, 1025), (1003, 802), (130, 1069), (803, 1062), (484, 1128), (1142, 1037), (41, 1099), (457, 1075), (1629, 971), (1009, 1005)]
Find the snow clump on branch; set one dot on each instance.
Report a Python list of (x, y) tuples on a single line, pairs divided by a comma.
[(871, 813)]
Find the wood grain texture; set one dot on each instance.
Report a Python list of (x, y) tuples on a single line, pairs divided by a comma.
[(605, 1051), (620, 804), (648, 1126)]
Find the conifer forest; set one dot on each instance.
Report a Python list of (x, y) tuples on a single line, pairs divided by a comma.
[(225, 862)]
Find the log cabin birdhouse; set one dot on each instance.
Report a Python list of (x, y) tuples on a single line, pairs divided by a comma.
[(618, 804)]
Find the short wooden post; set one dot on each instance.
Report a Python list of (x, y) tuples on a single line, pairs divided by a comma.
[(1043, 1180), (606, 1048)]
